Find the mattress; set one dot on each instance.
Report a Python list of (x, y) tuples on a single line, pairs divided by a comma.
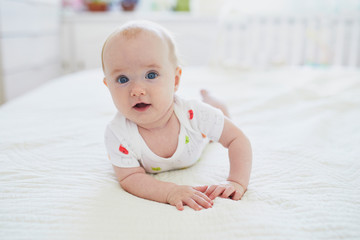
[(303, 123)]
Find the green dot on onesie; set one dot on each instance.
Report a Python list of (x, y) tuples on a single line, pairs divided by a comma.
[(156, 168)]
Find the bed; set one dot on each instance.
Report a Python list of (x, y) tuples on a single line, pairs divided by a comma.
[(303, 122)]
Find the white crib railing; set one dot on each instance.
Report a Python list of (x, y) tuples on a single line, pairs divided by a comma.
[(262, 41)]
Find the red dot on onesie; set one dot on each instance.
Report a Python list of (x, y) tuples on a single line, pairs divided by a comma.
[(123, 150), (191, 114)]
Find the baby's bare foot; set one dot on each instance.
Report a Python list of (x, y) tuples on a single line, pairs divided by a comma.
[(207, 98)]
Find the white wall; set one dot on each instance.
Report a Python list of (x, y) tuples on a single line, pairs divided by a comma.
[(30, 33), (83, 35)]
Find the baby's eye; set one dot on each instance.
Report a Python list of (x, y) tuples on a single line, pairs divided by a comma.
[(122, 79), (152, 75)]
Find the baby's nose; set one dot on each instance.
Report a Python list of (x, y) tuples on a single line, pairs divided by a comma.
[(137, 91)]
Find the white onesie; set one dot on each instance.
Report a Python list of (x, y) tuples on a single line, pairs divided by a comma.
[(199, 123)]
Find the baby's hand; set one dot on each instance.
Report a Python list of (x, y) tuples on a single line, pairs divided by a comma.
[(194, 197), (227, 189)]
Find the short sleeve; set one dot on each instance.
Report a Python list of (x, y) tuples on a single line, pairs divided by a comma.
[(206, 119), (118, 151)]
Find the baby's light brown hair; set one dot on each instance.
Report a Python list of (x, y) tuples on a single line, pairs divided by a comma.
[(133, 28)]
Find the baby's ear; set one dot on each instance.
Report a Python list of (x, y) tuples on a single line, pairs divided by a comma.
[(178, 72), (104, 81)]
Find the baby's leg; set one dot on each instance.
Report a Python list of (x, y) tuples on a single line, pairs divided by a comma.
[(207, 98)]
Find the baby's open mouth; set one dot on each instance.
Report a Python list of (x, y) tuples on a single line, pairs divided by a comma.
[(141, 106)]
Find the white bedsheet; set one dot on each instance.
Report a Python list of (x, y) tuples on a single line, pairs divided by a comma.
[(304, 125)]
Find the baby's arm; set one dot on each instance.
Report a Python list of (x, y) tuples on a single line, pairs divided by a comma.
[(138, 183), (240, 156)]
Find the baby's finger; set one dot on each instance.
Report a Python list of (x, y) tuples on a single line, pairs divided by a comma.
[(179, 205), (237, 195), (210, 190), (191, 203), (201, 188), (217, 192), (228, 191), (205, 202), (204, 196)]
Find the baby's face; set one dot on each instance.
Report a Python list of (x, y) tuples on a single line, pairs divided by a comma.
[(141, 78)]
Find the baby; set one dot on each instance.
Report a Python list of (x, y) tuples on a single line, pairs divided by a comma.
[(155, 130)]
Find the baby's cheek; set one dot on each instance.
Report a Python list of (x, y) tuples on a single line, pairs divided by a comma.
[(120, 104)]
